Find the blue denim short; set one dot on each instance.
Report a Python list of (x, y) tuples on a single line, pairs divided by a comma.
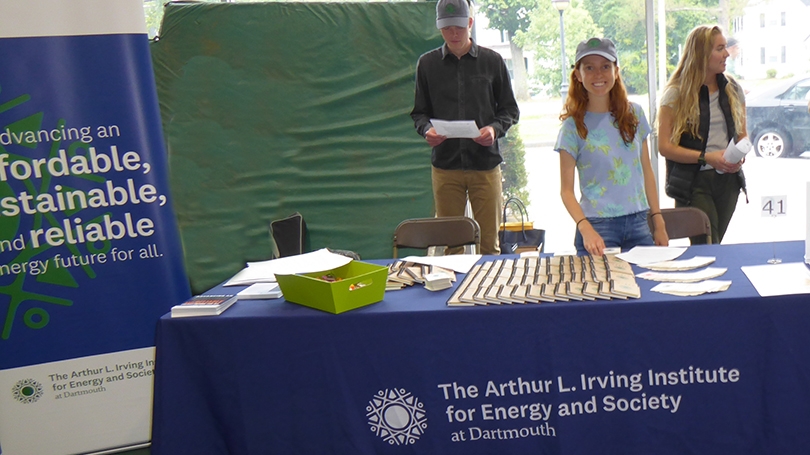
[(622, 231)]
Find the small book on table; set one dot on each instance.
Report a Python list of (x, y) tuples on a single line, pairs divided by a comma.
[(204, 305)]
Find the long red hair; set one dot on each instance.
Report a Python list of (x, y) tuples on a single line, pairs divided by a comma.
[(577, 102)]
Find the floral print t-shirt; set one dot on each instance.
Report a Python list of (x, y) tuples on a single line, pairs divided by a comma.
[(611, 179)]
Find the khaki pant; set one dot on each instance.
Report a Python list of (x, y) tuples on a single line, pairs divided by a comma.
[(451, 189)]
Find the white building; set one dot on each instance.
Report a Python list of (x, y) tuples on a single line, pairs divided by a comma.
[(773, 35), (499, 42)]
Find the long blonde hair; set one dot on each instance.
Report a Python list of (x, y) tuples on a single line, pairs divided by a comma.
[(576, 105), (688, 78)]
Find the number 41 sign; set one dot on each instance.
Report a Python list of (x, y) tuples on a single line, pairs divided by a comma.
[(774, 205)]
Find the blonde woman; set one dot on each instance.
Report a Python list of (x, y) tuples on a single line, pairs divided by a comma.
[(702, 109)]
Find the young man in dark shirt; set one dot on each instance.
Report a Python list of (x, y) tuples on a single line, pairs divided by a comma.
[(463, 81)]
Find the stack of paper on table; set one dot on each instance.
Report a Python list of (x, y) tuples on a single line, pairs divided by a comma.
[(404, 273), (438, 281), (680, 265), (265, 271), (684, 277), (260, 291), (664, 267), (690, 289), (651, 254), (688, 283)]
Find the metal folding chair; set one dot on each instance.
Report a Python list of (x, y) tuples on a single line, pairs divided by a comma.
[(450, 231), (685, 222)]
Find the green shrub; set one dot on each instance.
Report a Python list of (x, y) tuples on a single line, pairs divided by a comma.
[(513, 167)]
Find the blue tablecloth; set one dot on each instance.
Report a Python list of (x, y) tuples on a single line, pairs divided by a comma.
[(726, 373)]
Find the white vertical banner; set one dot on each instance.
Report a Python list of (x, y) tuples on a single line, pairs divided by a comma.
[(807, 227), (90, 254)]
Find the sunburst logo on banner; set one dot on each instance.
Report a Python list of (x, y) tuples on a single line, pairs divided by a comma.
[(396, 416), (27, 391)]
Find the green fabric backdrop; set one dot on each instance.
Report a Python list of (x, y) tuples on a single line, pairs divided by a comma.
[(273, 108)]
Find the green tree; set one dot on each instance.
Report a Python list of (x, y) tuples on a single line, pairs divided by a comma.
[(623, 21), (514, 166), (681, 18), (512, 16), (543, 38), (153, 11)]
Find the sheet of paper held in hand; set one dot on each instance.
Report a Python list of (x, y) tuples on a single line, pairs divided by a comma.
[(264, 271), (735, 152), (456, 128), (779, 279)]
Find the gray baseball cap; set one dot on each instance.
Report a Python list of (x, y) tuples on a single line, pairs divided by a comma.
[(452, 13), (597, 46)]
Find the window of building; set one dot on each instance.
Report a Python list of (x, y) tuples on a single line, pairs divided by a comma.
[(737, 25), (510, 66)]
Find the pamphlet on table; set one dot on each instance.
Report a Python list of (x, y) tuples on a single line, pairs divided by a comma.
[(684, 277), (692, 289), (641, 255), (681, 265), (779, 279)]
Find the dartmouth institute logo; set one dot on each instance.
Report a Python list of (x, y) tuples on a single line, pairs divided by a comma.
[(396, 416), (27, 391)]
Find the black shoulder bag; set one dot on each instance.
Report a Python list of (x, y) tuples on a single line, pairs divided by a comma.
[(525, 239)]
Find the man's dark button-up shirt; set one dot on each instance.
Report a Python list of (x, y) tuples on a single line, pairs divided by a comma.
[(475, 87)]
